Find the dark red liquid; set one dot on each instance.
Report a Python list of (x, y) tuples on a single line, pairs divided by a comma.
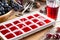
[(28, 22), (26, 29), (5, 31), (20, 25), (47, 21), (36, 15), (8, 25), (9, 36), (18, 33), (40, 23), (33, 26), (52, 12), (16, 22), (35, 20), (30, 17)]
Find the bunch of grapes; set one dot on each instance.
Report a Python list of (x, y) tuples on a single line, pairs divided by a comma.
[(7, 5), (4, 7), (52, 36)]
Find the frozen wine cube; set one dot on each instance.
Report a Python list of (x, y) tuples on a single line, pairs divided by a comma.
[(13, 28), (30, 17), (2, 27), (40, 23), (8, 25), (18, 33), (36, 15), (26, 29), (33, 26), (47, 21), (20, 25), (23, 19), (9, 36), (16, 22), (28, 22), (5, 31), (35, 20)]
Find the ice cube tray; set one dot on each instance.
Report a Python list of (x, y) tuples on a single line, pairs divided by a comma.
[(25, 25)]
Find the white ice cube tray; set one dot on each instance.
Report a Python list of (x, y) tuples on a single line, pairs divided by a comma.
[(25, 25)]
